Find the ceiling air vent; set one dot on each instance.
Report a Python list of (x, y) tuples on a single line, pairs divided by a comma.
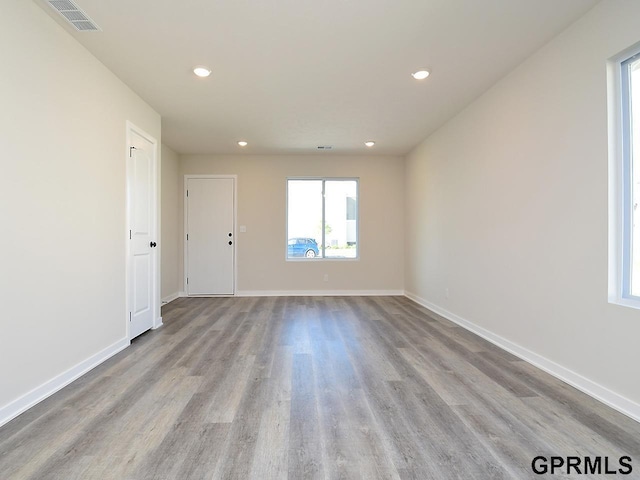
[(325, 147), (72, 13)]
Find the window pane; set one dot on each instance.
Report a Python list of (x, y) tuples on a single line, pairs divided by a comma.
[(634, 155), (304, 222), (341, 218)]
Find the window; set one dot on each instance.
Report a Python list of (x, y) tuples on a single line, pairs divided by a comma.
[(630, 82), (322, 218)]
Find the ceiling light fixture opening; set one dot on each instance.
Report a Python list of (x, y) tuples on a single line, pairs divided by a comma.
[(242, 143), (420, 74), (370, 143), (201, 71)]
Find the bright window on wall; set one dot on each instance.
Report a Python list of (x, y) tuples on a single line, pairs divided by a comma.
[(630, 76), (322, 218)]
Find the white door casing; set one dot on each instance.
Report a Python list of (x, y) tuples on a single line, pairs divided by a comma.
[(142, 233), (210, 235)]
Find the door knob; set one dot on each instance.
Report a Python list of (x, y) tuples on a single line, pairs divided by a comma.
[(230, 242), (152, 244), (230, 234)]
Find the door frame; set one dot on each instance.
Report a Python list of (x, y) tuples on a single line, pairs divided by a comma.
[(185, 272), (132, 129)]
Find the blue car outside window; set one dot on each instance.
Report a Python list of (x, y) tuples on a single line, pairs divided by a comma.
[(303, 247)]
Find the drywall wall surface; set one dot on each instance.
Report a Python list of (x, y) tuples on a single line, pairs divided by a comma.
[(506, 208), (262, 181), (62, 202), (170, 234)]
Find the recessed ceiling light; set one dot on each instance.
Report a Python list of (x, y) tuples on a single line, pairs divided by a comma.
[(420, 74), (201, 71), (242, 143), (370, 143)]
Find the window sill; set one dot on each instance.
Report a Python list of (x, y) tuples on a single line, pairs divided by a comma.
[(626, 302), (321, 260)]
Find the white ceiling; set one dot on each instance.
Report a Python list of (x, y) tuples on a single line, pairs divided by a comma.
[(289, 75)]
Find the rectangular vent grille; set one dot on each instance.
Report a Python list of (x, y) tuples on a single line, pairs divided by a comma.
[(74, 15), (325, 147)]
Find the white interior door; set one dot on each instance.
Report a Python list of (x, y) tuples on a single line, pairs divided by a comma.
[(210, 239), (141, 174)]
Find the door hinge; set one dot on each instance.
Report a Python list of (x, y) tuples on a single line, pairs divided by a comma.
[(129, 316), (129, 234), (187, 280), (131, 149), (187, 193), (187, 237)]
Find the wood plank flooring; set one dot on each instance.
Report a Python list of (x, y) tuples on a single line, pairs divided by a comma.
[(310, 388)]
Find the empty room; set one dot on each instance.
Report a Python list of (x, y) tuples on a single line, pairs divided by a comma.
[(319, 239)]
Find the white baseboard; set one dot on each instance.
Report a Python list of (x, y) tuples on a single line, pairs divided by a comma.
[(319, 293), (20, 405), (591, 388), (170, 298)]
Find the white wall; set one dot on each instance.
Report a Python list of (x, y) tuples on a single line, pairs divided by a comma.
[(170, 224), (507, 208), (62, 203), (261, 208)]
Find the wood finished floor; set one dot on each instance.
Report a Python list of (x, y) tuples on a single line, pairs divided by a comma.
[(306, 388)]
